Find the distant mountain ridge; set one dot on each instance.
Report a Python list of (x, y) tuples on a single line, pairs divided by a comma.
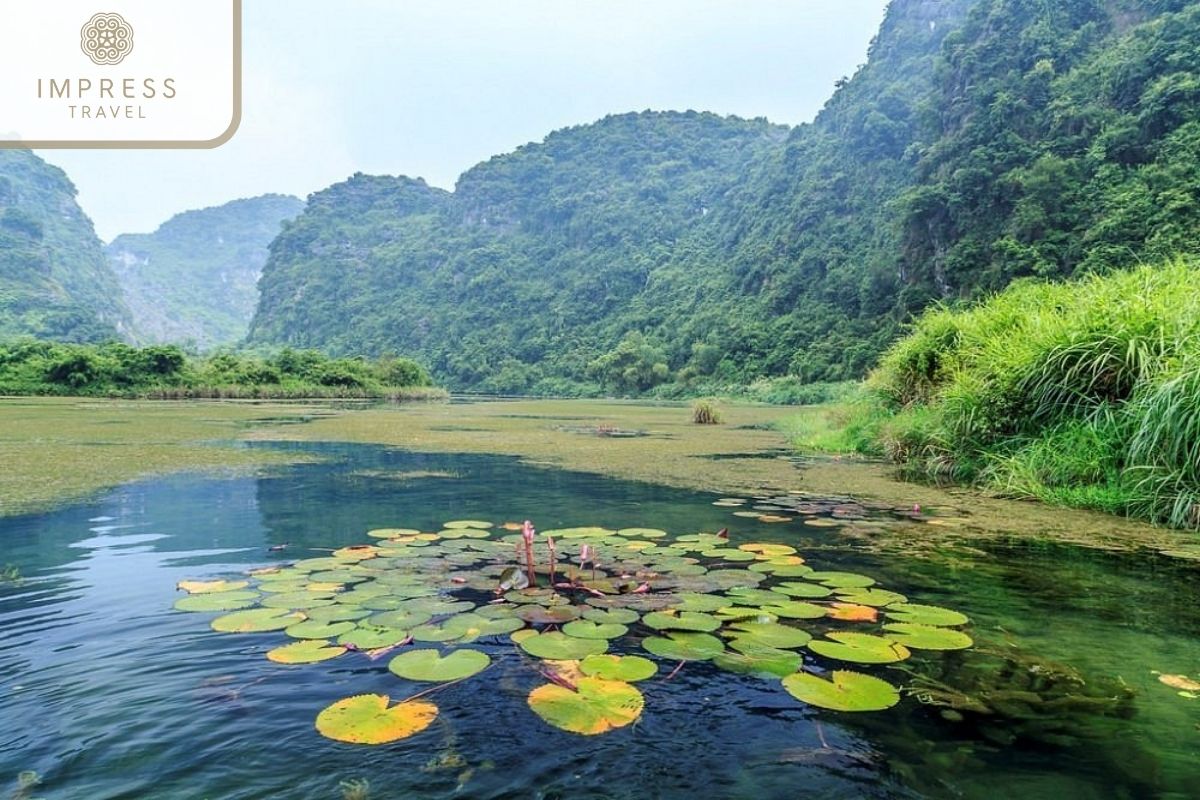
[(195, 279)]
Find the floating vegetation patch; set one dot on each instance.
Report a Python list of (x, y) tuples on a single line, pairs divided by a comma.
[(585, 612)]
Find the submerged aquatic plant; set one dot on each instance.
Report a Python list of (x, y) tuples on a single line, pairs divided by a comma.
[(747, 609), (10, 574), (355, 789)]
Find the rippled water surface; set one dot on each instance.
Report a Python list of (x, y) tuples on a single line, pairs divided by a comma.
[(107, 692)]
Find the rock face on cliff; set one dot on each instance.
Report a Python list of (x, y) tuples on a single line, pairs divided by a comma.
[(195, 279)]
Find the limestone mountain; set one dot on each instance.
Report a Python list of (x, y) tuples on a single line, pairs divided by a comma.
[(195, 279), (55, 282)]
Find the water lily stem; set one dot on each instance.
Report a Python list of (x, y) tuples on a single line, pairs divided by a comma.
[(675, 671)]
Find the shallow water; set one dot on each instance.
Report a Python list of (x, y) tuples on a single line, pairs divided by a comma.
[(107, 692)]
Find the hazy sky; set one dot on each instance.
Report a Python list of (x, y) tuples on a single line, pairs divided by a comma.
[(429, 88)]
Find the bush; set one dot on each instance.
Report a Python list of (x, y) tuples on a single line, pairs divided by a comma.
[(1086, 392), (705, 412)]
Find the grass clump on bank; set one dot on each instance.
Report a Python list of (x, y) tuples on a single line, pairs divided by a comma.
[(165, 372), (1085, 393)]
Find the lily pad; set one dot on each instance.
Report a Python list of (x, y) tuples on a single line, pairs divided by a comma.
[(851, 612), (619, 668), (402, 618), (795, 609), (693, 601), (256, 620), (872, 597), (842, 580), (557, 646), (467, 523), (759, 660), (642, 533), (927, 637), (768, 634), (429, 665), (367, 719), (684, 646), (844, 691), (861, 648), (802, 589), (205, 587), (594, 706), (337, 613), (768, 550), (216, 601), (552, 615), (586, 629), (315, 629), (372, 637), (618, 616), (682, 621), (305, 652), (925, 615)]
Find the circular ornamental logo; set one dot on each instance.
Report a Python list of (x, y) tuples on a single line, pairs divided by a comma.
[(106, 38)]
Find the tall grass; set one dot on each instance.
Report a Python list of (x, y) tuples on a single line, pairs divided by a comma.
[(1085, 393)]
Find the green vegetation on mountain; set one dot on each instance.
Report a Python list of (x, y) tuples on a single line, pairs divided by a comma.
[(983, 141), (31, 367), (195, 279), (54, 280)]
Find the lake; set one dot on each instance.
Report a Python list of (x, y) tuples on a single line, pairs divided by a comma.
[(109, 692)]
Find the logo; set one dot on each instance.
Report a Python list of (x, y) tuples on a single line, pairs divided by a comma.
[(106, 39)]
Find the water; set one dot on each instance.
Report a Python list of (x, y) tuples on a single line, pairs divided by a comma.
[(107, 692)]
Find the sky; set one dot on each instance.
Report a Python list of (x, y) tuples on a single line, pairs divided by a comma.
[(429, 88)]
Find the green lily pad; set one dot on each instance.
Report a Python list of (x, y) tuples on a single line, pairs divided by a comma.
[(392, 533), (683, 646), (842, 580), (871, 597), (372, 637), (465, 627), (217, 601), (467, 523), (795, 609), (307, 651), (642, 533), (429, 665), (315, 629), (256, 620), (861, 648), (802, 589), (543, 615), (745, 596), (367, 719), (337, 613), (402, 618), (759, 660), (557, 646), (768, 634), (844, 691), (693, 601), (925, 615), (683, 621), (298, 601), (594, 706), (586, 629), (927, 637), (618, 668), (728, 554), (617, 616)]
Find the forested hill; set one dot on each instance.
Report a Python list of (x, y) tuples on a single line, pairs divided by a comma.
[(527, 271), (54, 280), (195, 279), (984, 141)]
